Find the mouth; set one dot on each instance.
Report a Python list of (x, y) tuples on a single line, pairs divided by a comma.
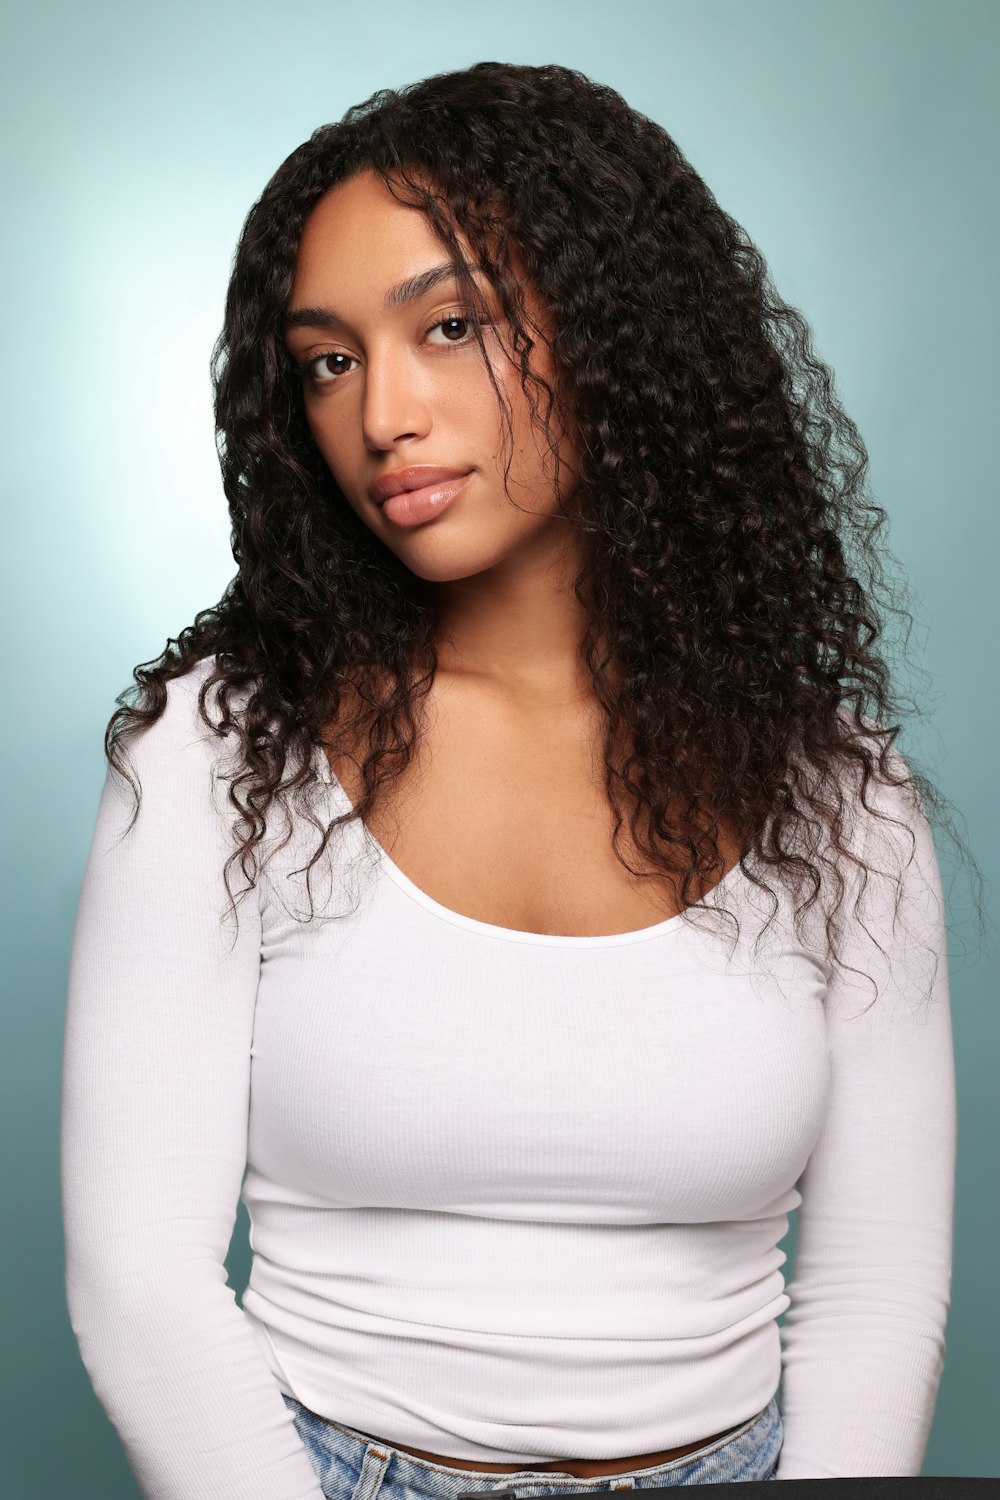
[(411, 507), (415, 477)]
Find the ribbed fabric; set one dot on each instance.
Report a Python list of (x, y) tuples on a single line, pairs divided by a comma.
[(514, 1197)]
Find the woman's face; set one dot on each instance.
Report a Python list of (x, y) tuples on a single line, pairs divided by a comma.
[(390, 386)]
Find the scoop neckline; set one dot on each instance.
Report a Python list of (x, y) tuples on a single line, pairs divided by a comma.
[(514, 934)]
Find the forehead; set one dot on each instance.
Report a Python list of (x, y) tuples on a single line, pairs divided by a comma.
[(360, 239)]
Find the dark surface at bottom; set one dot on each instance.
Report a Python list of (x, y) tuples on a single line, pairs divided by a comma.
[(923, 1487)]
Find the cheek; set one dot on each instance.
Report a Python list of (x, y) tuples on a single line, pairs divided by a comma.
[(332, 436)]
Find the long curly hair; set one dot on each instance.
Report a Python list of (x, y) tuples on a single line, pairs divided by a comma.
[(733, 576)]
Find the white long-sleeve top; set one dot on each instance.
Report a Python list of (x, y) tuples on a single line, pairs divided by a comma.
[(514, 1197)]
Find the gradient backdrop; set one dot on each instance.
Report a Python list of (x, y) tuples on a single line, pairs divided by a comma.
[(856, 141)]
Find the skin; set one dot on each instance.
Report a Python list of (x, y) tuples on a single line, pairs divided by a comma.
[(411, 393)]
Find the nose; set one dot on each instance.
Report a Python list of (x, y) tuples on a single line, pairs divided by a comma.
[(395, 403)]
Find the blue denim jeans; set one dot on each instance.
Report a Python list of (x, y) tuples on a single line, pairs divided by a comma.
[(352, 1466)]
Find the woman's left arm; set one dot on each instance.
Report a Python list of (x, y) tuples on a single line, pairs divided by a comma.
[(864, 1340)]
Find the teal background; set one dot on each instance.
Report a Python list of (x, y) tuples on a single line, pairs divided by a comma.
[(856, 142)]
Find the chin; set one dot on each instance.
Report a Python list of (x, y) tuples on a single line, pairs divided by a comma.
[(428, 555)]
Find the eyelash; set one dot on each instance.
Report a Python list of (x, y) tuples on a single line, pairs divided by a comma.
[(306, 369)]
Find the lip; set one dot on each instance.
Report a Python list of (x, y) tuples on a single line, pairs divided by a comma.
[(414, 507), (416, 477)]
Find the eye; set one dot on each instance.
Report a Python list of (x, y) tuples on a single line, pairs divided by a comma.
[(313, 369), (454, 318)]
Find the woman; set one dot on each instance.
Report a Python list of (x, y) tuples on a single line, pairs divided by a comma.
[(541, 506)]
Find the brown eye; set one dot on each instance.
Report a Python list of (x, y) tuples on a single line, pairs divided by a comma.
[(322, 369), (463, 321), (445, 322)]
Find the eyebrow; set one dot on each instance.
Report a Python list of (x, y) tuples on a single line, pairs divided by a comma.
[(405, 291)]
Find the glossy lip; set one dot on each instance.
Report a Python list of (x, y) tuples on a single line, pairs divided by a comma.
[(416, 477), (431, 500)]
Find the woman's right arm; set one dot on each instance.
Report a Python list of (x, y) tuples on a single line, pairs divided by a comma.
[(155, 1095)]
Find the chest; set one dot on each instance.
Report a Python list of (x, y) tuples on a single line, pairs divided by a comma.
[(502, 815), (402, 1059)]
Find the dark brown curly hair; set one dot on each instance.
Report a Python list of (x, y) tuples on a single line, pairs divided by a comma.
[(732, 571)]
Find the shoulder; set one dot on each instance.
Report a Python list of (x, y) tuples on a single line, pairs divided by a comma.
[(182, 715), (175, 759), (879, 871), (885, 818), (893, 881)]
